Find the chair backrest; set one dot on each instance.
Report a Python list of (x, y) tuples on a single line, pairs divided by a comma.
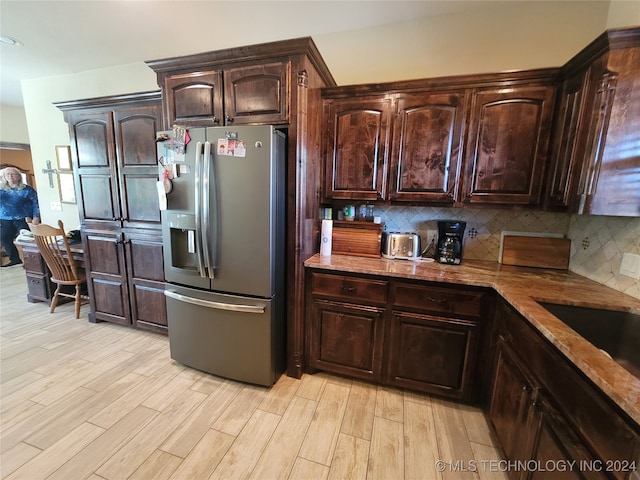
[(54, 247)]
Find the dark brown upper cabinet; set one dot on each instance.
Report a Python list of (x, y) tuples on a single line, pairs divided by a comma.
[(356, 148), (257, 94), (596, 158), (508, 144), (115, 162), (426, 152), (193, 98), (480, 139)]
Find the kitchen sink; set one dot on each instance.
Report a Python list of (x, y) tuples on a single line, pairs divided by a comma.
[(614, 332)]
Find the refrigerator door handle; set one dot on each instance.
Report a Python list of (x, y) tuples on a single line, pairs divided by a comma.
[(198, 187), (207, 184), (216, 305)]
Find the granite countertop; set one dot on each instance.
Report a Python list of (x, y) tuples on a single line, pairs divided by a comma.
[(523, 287)]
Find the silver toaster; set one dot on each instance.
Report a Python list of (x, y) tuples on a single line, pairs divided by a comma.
[(404, 246)]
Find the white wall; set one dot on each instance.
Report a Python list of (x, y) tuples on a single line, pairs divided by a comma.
[(515, 36), (13, 124), (623, 13)]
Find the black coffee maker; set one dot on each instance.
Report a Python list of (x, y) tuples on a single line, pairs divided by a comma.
[(450, 236)]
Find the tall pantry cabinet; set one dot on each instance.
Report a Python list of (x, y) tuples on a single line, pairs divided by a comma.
[(275, 83), (115, 169)]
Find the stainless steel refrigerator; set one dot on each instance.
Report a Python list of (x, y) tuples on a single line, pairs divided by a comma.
[(224, 251)]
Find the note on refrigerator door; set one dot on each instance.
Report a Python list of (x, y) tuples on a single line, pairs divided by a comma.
[(162, 196)]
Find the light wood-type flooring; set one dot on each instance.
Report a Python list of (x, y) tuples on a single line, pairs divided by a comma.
[(101, 401)]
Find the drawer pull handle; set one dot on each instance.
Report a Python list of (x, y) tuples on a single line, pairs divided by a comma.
[(436, 300), (348, 289)]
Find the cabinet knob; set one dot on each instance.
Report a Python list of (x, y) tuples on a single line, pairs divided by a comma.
[(216, 120), (228, 119)]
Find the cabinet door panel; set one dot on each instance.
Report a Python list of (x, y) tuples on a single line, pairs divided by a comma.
[(508, 145), (432, 354), (257, 94), (94, 158), (106, 277), (356, 149), (347, 339), (193, 99), (135, 134), (145, 269), (96, 193), (509, 408), (567, 157), (427, 147)]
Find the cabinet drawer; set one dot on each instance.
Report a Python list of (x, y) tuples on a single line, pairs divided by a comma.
[(38, 287), (33, 262), (351, 289), (446, 301)]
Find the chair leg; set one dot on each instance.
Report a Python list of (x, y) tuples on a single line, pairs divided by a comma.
[(54, 300), (77, 302)]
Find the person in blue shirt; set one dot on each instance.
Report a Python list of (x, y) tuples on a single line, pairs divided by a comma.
[(17, 202)]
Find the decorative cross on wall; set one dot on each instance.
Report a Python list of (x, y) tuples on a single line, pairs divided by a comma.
[(50, 171)]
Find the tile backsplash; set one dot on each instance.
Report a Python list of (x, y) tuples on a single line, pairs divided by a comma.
[(597, 242)]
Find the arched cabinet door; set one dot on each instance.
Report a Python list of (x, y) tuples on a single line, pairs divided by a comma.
[(135, 134), (508, 145), (427, 147), (193, 99), (257, 94), (356, 148), (94, 162)]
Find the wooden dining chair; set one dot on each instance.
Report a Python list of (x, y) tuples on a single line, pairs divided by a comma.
[(54, 247)]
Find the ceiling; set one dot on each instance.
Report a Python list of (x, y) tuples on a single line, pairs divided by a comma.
[(66, 37)]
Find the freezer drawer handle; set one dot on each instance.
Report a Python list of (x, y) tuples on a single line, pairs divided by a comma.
[(217, 305)]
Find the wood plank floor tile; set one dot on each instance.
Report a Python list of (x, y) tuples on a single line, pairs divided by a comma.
[(278, 397), (420, 444), (243, 455), (280, 453), (308, 470), (195, 426), (105, 446), (205, 456), (237, 413), (322, 436), (389, 404), (15, 457), (350, 459), (49, 460), (361, 406), (311, 386), (159, 466), (453, 443), (128, 458), (386, 454), (487, 458), (476, 424)]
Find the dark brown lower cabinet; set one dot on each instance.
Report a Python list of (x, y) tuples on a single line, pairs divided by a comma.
[(404, 334), (552, 422), (39, 287), (432, 354), (348, 340), (125, 278)]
